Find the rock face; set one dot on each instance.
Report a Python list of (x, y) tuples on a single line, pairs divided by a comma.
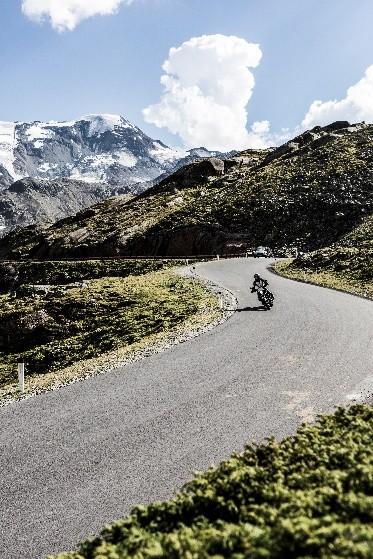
[(33, 201), (197, 172), (307, 193), (75, 164), (5, 178)]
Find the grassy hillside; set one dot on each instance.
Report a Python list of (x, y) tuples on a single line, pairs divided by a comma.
[(77, 311), (309, 496), (347, 264), (309, 192)]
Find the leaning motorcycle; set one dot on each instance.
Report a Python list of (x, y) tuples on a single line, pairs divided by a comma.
[(265, 297)]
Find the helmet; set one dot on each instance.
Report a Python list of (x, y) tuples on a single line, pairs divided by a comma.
[(256, 276)]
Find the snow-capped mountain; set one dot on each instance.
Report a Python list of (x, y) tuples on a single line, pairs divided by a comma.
[(95, 148), (50, 170)]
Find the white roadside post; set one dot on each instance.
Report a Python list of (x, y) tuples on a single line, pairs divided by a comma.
[(21, 376), (193, 274), (217, 257)]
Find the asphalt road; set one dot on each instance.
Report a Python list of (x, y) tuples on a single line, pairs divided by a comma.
[(84, 455)]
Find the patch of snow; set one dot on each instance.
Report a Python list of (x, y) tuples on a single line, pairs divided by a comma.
[(165, 154), (140, 178), (98, 161), (102, 123), (93, 168), (202, 152), (86, 176), (103, 160), (126, 124), (8, 142), (38, 133), (60, 124), (45, 167), (125, 158)]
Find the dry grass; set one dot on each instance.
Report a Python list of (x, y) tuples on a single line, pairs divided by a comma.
[(327, 278), (168, 307)]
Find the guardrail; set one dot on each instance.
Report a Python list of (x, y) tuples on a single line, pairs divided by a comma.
[(109, 258)]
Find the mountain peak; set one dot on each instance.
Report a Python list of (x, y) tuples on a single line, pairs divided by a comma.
[(100, 123), (114, 119), (94, 148), (102, 155)]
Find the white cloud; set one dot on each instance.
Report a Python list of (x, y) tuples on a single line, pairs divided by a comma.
[(207, 85), (261, 127), (65, 15), (355, 107)]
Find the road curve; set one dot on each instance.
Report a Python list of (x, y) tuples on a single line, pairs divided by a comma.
[(83, 455)]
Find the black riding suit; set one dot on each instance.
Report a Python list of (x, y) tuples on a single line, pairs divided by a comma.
[(258, 283)]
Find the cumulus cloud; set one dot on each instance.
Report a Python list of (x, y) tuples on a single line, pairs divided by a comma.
[(355, 107), (207, 85), (67, 14)]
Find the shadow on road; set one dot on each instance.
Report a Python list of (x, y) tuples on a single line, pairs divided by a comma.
[(260, 308)]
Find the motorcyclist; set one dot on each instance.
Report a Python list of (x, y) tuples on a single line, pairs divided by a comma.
[(258, 283)]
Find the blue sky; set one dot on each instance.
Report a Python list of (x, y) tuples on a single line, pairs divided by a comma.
[(311, 49)]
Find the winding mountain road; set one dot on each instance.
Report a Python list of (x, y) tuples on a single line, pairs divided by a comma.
[(84, 455)]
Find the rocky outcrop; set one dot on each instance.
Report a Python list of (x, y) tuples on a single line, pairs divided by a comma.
[(5, 178), (313, 139), (198, 172), (26, 329), (45, 201)]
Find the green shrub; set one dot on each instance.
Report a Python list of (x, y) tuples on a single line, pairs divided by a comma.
[(309, 496)]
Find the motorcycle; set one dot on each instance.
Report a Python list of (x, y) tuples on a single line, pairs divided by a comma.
[(266, 298)]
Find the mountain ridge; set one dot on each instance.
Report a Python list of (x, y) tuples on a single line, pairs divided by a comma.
[(98, 149), (87, 149), (307, 193)]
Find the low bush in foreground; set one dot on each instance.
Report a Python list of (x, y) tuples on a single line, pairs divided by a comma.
[(309, 496)]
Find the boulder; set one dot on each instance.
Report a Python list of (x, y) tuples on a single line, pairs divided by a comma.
[(195, 173)]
